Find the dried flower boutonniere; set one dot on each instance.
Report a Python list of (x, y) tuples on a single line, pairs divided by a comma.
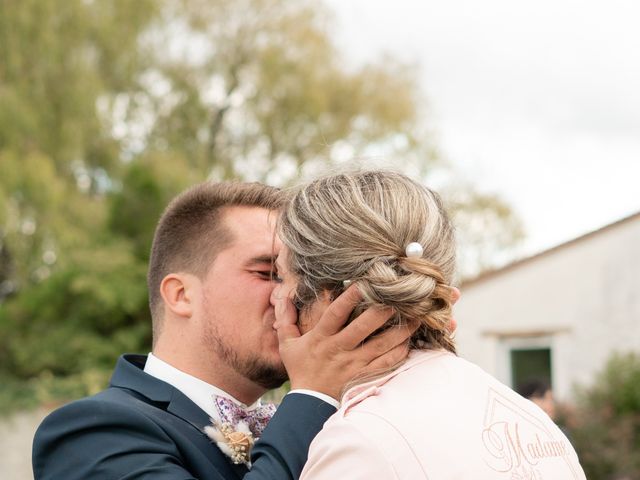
[(236, 444)]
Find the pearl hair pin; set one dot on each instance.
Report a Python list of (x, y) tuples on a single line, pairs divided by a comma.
[(414, 249)]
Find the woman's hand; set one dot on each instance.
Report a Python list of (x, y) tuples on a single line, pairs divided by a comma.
[(328, 357)]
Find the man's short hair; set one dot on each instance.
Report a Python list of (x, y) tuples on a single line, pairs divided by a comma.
[(190, 233), (534, 388)]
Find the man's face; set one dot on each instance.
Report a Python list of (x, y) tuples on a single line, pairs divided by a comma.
[(237, 315), (546, 403)]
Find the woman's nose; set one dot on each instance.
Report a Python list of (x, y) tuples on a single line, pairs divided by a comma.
[(275, 295)]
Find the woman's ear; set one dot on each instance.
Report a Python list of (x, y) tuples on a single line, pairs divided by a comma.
[(178, 291), (455, 296)]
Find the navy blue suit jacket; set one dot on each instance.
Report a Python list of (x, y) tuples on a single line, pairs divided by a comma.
[(141, 427)]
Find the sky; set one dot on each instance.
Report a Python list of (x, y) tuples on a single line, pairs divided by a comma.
[(537, 101)]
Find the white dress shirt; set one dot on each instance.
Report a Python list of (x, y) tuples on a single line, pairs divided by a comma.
[(202, 393)]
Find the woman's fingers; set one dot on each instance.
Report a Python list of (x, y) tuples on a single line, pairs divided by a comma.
[(388, 348), (338, 311), (363, 326)]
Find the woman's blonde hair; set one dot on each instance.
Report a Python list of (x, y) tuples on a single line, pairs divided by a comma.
[(355, 227)]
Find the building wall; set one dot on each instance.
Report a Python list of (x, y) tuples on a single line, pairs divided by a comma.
[(16, 437), (582, 299)]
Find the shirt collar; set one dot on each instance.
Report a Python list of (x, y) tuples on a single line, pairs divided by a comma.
[(198, 391)]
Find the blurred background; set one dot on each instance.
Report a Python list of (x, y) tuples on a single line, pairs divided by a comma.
[(525, 116)]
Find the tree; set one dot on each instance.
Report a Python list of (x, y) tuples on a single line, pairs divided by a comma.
[(488, 230), (108, 109), (264, 91), (267, 97), (59, 62), (607, 430)]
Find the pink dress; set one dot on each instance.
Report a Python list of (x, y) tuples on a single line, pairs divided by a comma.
[(440, 417)]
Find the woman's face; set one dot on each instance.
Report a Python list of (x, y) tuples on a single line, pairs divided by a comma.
[(285, 291)]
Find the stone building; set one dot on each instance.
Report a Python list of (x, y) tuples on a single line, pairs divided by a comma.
[(559, 314)]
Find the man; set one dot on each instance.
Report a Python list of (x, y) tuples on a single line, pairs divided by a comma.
[(539, 392), (214, 351)]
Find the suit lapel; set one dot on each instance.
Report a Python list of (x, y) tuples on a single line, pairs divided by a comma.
[(129, 374), (185, 409)]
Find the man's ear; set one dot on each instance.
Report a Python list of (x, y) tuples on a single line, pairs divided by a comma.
[(178, 291)]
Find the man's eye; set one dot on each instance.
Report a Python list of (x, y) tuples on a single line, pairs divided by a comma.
[(269, 275)]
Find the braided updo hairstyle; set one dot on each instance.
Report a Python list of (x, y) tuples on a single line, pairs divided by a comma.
[(355, 227)]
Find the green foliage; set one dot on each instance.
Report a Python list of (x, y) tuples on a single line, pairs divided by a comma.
[(488, 228), (136, 208), (49, 390), (147, 186), (267, 93), (58, 57), (81, 317), (607, 430)]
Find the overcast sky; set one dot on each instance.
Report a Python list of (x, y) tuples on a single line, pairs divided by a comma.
[(538, 101)]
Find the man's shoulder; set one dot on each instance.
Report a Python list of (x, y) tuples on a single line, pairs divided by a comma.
[(113, 405), (120, 404), (110, 397), (116, 431)]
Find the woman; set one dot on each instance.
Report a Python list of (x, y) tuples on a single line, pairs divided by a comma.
[(436, 416)]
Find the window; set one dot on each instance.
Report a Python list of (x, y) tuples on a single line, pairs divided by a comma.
[(523, 358), (530, 364)]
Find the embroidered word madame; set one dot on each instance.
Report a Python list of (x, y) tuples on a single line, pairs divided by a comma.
[(502, 441)]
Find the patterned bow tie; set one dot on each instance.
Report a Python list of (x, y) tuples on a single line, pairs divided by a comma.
[(256, 419)]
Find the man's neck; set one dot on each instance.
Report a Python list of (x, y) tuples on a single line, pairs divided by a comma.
[(224, 377)]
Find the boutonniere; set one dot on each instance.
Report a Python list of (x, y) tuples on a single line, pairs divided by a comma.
[(235, 443)]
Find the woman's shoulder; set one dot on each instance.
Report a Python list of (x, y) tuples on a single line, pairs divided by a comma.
[(416, 364), (443, 404)]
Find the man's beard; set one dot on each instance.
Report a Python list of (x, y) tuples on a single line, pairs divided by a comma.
[(252, 367)]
